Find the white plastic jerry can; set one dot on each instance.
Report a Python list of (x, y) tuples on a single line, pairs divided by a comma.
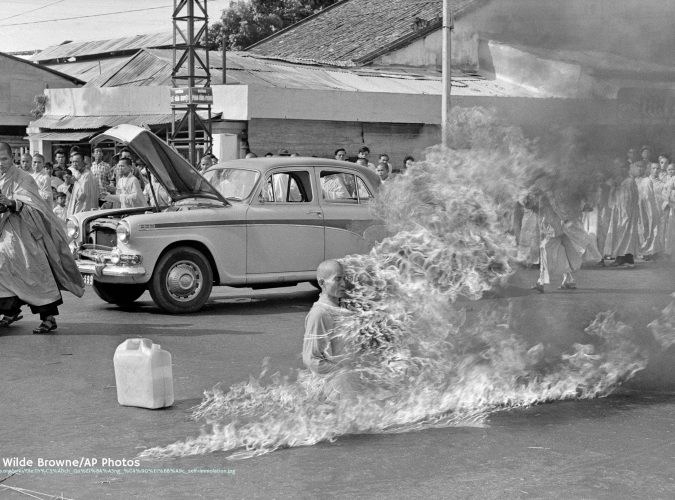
[(143, 374)]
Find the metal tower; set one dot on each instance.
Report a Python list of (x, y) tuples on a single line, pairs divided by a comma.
[(191, 79)]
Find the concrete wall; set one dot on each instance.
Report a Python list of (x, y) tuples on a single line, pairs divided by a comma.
[(321, 138), (20, 82), (428, 51), (92, 101)]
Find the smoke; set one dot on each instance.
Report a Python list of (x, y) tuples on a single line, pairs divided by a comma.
[(420, 357), (636, 29)]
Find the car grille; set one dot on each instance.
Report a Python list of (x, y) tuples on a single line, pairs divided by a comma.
[(103, 233)]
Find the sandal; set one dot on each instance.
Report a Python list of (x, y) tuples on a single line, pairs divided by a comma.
[(568, 286), (8, 320), (538, 287), (46, 326)]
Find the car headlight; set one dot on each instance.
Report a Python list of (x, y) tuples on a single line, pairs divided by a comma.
[(123, 232), (72, 229)]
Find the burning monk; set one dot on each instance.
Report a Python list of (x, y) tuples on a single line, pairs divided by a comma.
[(35, 261), (323, 350)]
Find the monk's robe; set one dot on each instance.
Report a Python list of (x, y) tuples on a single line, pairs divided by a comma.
[(649, 217), (622, 233), (35, 260)]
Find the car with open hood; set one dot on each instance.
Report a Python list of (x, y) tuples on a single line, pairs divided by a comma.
[(259, 223)]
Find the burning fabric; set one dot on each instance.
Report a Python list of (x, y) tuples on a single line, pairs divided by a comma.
[(418, 357)]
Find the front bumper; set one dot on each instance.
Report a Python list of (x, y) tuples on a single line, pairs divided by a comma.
[(112, 273)]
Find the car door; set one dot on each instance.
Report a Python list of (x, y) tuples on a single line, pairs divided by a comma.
[(346, 199), (285, 229)]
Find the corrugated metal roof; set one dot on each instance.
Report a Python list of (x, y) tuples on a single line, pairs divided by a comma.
[(61, 136), (104, 47), (153, 67), (101, 121), (356, 31), (68, 122), (88, 70)]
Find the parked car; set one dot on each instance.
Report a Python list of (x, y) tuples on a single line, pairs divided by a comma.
[(260, 223)]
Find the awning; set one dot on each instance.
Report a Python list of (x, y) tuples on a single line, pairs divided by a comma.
[(69, 122), (61, 136)]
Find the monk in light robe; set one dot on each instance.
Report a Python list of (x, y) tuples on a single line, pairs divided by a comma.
[(323, 349), (668, 194), (564, 243), (649, 218), (43, 179), (35, 260), (622, 240), (85, 193), (526, 230)]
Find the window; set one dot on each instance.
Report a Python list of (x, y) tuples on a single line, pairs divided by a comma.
[(288, 187), (340, 187), (362, 189)]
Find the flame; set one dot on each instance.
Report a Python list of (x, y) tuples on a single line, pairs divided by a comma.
[(420, 358)]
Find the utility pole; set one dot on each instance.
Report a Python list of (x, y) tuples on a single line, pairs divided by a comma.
[(190, 78), (447, 72)]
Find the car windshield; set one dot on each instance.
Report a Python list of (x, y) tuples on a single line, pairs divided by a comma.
[(232, 183)]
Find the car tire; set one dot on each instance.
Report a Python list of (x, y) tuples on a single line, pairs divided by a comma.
[(118, 293), (182, 281)]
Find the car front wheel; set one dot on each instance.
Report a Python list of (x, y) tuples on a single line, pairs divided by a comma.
[(116, 293), (182, 281)]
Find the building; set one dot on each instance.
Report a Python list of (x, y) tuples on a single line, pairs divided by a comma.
[(368, 72), (20, 82)]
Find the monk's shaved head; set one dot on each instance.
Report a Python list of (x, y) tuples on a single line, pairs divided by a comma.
[(6, 147), (327, 269)]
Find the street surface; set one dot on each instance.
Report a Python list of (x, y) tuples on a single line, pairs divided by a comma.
[(59, 402)]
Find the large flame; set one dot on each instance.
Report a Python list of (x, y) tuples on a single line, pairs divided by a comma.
[(419, 358)]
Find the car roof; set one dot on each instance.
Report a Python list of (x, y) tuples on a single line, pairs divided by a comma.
[(268, 163)]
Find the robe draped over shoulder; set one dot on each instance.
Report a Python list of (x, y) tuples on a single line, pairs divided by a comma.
[(35, 259)]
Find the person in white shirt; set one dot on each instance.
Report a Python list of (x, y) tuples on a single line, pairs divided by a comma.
[(128, 192), (155, 194), (42, 178), (382, 171), (60, 207)]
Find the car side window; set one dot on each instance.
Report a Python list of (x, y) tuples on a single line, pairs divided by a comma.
[(288, 187), (338, 187), (362, 189)]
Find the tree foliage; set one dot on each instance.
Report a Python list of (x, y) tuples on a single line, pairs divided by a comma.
[(246, 22)]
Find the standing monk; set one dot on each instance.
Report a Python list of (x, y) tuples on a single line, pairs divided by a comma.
[(85, 194), (622, 239), (649, 215), (35, 261)]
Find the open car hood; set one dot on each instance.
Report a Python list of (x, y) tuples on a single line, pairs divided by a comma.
[(173, 171)]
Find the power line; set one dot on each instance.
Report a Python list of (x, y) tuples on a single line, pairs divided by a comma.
[(84, 17), (32, 10)]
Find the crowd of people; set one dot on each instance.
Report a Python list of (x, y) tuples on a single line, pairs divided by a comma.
[(628, 215), (87, 183), (384, 169)]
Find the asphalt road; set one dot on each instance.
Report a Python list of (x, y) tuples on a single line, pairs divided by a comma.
[(58, 401)]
